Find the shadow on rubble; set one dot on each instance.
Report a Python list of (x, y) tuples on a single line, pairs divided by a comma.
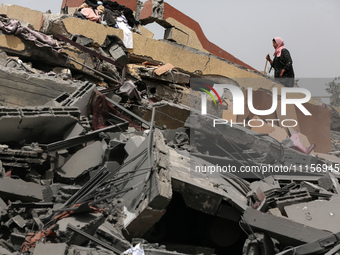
[(189, 231)]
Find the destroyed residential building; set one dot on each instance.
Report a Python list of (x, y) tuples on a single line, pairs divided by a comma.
[(103, 145)]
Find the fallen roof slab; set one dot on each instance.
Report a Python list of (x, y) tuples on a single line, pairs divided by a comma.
[(17, 189)]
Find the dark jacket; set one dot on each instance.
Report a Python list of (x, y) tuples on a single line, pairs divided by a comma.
[(284, 62)]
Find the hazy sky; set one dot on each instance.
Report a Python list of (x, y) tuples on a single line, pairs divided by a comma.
[(245, 28)]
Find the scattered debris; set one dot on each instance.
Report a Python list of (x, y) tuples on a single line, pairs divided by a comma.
[(104, 151)]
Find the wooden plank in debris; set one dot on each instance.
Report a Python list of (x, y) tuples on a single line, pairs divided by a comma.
[(164, 69)]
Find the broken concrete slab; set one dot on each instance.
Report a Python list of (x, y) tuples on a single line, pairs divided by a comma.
[(26, 157), (18, 220), (154, 182), (22, 89), (287, 232), (79, 98), (86, 222), (16, 189), (199, 188), (319, 214), (133, 143), (36, 124), (109, 233), (50, 248), (166, 73), (84, 159)]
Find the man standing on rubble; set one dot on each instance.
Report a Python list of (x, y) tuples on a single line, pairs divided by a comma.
[(282, 63)]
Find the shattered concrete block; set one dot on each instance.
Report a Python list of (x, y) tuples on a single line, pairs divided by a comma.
[(36, 124), (82, 40), (89, 29), (80, 98), (108, 232), (176, 35), (118, 54), (17, 189), (168, 75), (26, 157), (133, 143), (18, 220), (22, 89), (84, 159), (144, 212), (52, 24), (64, 73), (151, 11), (50, 248), (88, 223), (16, 239), (275, 212)]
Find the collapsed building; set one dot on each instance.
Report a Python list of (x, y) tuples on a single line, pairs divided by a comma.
[(104, 146)]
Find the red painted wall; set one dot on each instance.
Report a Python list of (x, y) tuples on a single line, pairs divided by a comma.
[(170, 11)]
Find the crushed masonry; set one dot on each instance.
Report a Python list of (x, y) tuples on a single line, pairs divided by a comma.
[(103, 147)]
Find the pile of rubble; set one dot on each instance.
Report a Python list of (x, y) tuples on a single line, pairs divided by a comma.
[(102, 150)]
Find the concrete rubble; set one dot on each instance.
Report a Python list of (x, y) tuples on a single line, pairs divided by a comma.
[(100, 145)]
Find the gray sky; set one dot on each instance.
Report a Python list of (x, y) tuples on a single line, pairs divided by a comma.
[(245, 28)]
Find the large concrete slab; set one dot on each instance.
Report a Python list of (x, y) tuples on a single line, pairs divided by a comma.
[(17, 189), (320, 214), (35, 18), (50, 248), (19, 88), (286, 231), (150, 177), (84, 159)]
